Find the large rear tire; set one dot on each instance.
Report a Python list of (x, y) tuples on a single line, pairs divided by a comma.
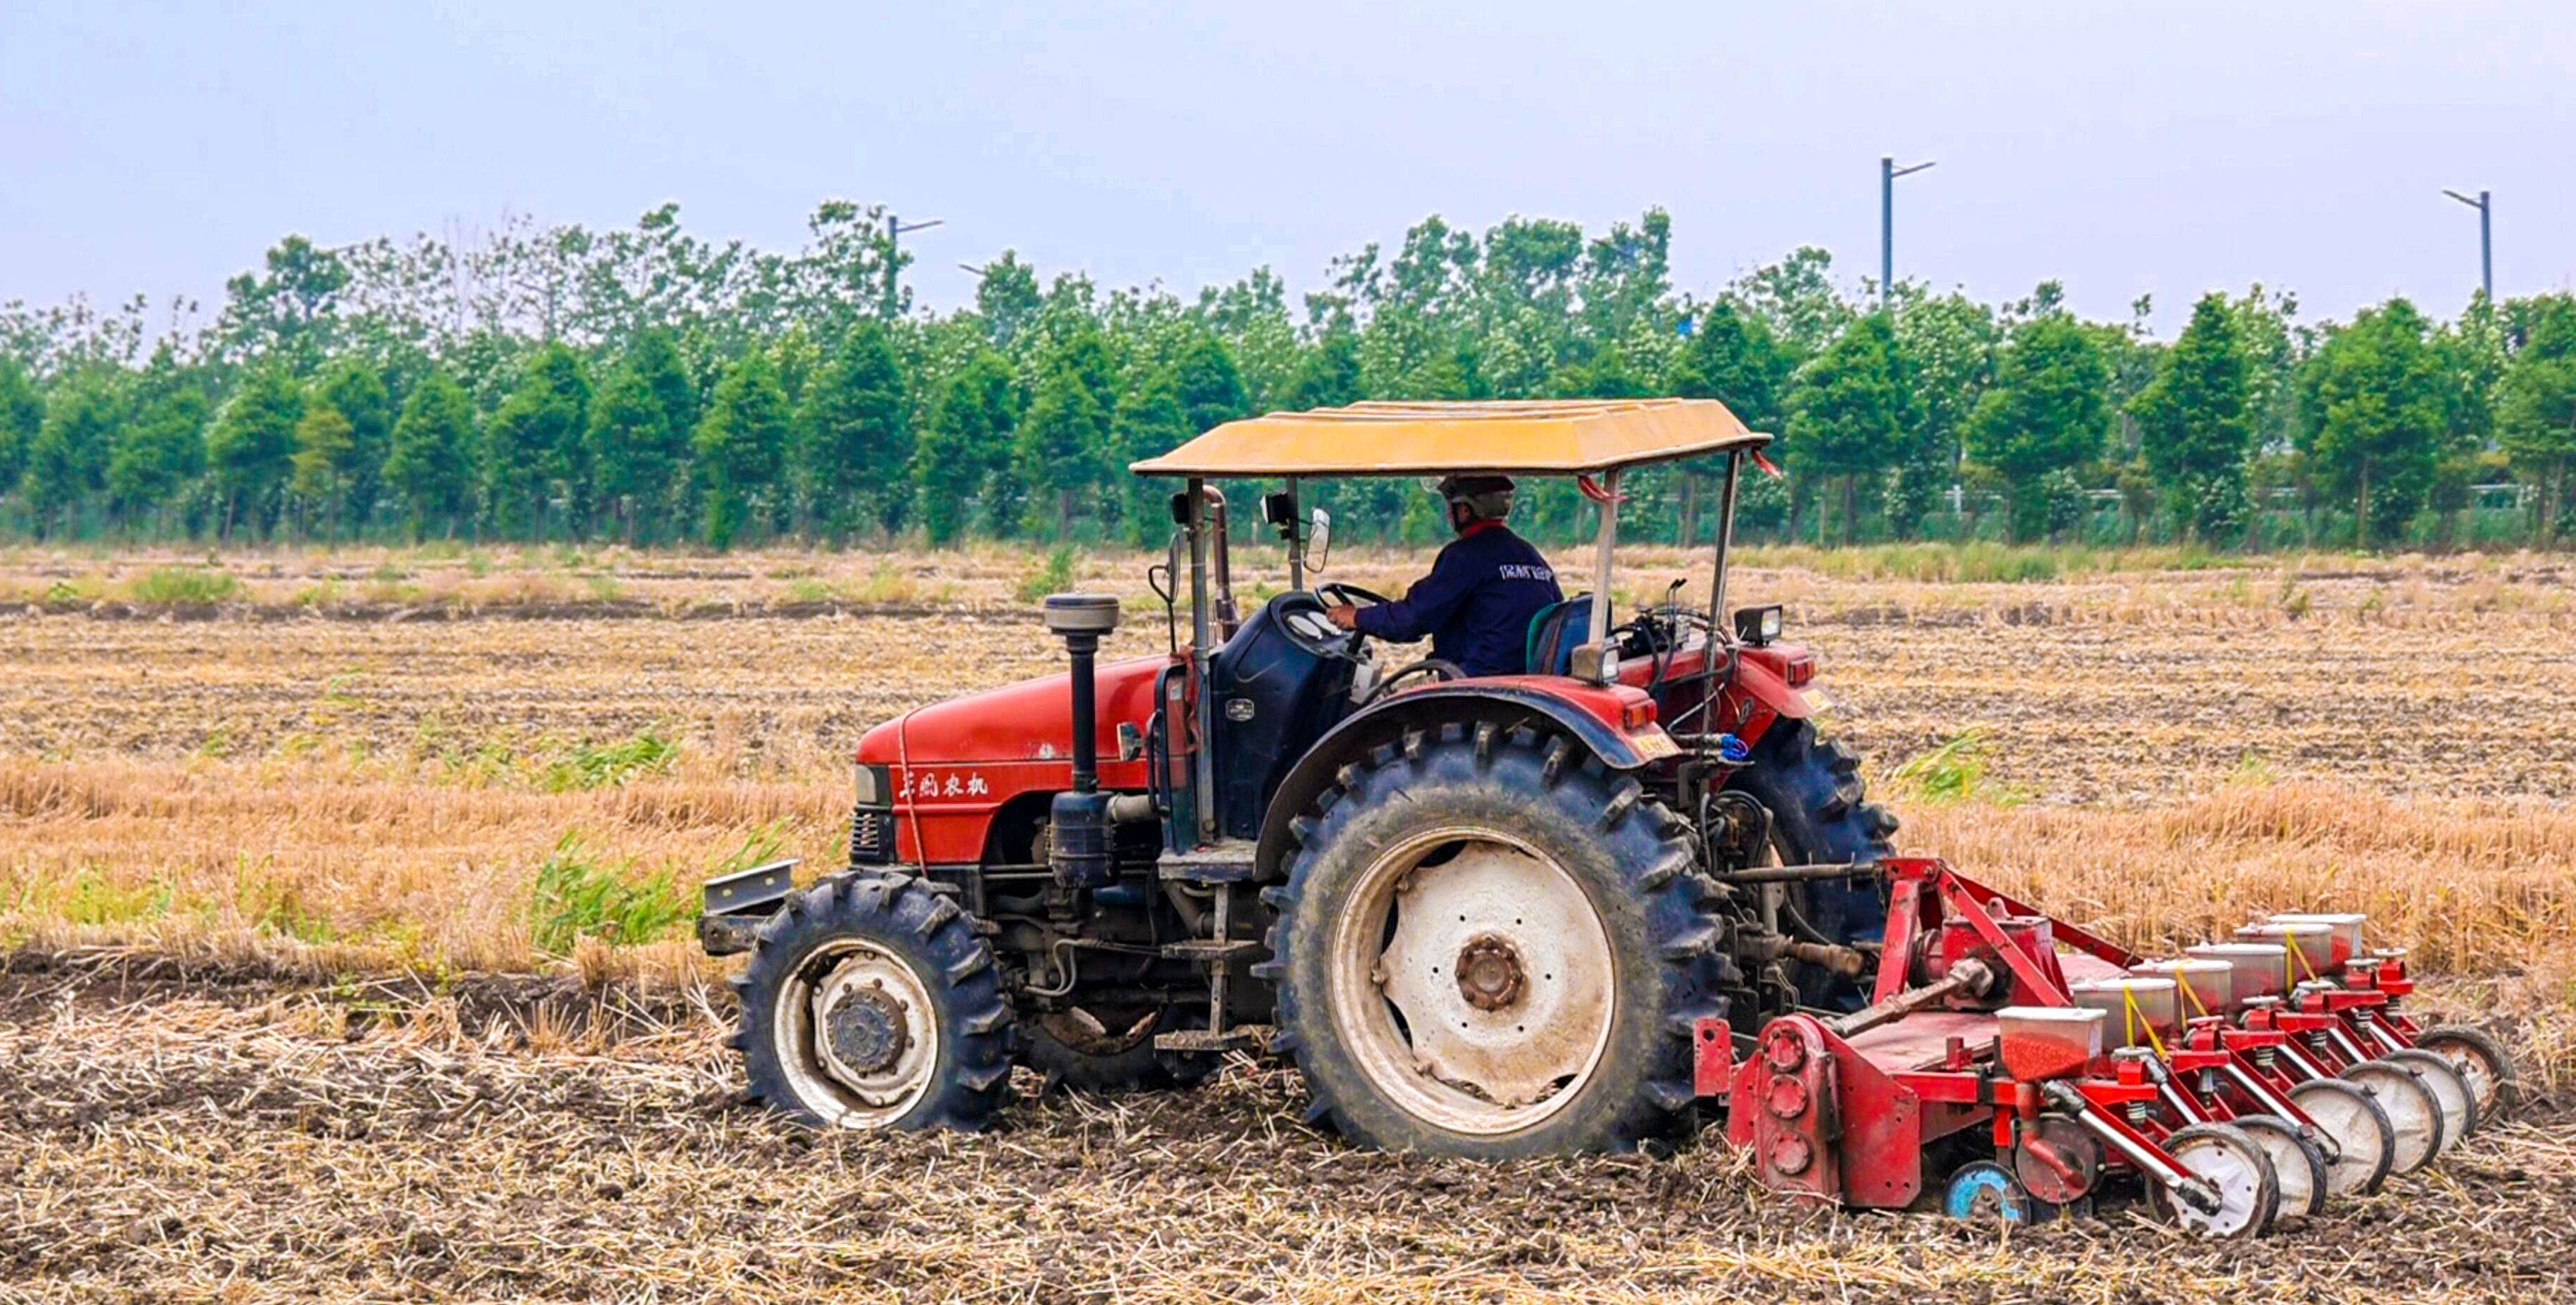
[(1821, 815), (1490, 945), (870, 1002)]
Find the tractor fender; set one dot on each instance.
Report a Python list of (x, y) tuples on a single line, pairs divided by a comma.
[(1590, 714), (1766, 696)]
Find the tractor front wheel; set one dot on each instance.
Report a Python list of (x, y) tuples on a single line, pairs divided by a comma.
[(870, 1002), (1491, 945)]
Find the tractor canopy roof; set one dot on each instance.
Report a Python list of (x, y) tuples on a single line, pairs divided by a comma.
[(1522, 436)]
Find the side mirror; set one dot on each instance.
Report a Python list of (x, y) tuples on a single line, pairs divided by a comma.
[(1319, 540)]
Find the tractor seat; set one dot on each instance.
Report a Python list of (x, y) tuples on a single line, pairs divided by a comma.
[(1555, 631)]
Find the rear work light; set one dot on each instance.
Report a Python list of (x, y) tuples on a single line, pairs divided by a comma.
[(1757, 626)]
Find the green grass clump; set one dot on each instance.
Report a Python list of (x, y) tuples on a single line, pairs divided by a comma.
[(609, 765), (1053, 578), (578, 895), (92, 898), (177, 586), (1951, 773)]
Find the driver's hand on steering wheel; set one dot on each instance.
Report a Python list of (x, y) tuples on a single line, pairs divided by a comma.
[(1344, 615)]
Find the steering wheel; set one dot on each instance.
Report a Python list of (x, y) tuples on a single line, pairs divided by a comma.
[(1301, 617), (1335, 592)]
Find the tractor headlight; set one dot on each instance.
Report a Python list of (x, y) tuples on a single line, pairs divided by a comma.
[(876, 787), (1757, 625)]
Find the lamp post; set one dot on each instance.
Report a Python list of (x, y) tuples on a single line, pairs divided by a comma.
[(1888, 172), (2485, 205), (894, 231)]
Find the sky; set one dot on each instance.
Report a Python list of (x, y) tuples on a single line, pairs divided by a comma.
[(2125, 149)]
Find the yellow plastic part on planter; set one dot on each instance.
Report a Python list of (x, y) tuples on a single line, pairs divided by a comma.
[(1529, 436)]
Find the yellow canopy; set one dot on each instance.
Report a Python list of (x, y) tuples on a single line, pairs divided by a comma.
[(1539, 436)]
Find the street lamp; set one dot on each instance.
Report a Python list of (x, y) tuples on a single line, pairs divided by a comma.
[(1888, 172), (2485, 205), (894, 230)]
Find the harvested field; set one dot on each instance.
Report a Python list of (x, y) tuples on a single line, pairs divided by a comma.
[(219, 1136), (290, 1012)]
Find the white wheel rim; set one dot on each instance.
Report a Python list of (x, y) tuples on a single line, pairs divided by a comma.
[(2233, 1173), (1515, 1040), (2289, 1164), (2450, 1090), (880, 1089), (2357, 1135), (2474, 1072), (2411, 1112)]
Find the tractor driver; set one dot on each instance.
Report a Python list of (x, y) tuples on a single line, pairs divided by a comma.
[(1482, 591)]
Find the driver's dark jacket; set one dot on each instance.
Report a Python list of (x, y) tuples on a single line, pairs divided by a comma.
[(1476, 604)]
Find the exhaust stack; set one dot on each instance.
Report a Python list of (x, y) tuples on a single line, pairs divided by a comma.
[(1078, 833)]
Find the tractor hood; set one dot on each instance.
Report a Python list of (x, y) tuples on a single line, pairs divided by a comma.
[(1025, 727)]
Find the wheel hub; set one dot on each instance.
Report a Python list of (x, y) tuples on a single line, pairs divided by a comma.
[(858, 1035), (1499, 977), (867, 1029), (1490, 976)]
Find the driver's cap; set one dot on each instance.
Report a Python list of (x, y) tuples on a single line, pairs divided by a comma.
[(1470, 484)]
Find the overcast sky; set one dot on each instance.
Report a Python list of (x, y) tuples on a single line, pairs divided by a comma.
[(2165, 148)]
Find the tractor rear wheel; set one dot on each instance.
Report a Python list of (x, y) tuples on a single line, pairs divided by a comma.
[(1820, 815), (1491, 945), (870, 1002)]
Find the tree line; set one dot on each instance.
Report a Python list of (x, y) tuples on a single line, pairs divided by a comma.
[(645, 385)]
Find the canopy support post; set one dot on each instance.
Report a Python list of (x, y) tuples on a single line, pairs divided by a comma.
[(1725, 544), (1201, 632), (1296, 540), (1599, 634)]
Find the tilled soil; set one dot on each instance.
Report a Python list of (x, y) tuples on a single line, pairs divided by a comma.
[(225, 1136)]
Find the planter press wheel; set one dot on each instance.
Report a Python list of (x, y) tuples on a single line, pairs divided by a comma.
[(2450, 1089), (2249, 1190), (2482, 1062), (2414, 1113), (2364, 1142), (2297, 1162)]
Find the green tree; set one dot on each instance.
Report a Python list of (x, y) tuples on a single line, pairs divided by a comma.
[(967, 442), (854, 439), (22, 414), (324, 449), (1733, 359), (431, 466), (1153, 418), (356, 389), (2536, 415), (2045, 417), (533, 447), (1947, 346), (1059, 443), (2195, 426), (252, 446), (68, 460), (160, 450), (1849, 411), (741, 445), (2373, 420), (1328, 376), (1209, 386)]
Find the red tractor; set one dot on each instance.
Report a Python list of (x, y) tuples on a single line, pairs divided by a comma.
[(1551, 911), (1485, 915)]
